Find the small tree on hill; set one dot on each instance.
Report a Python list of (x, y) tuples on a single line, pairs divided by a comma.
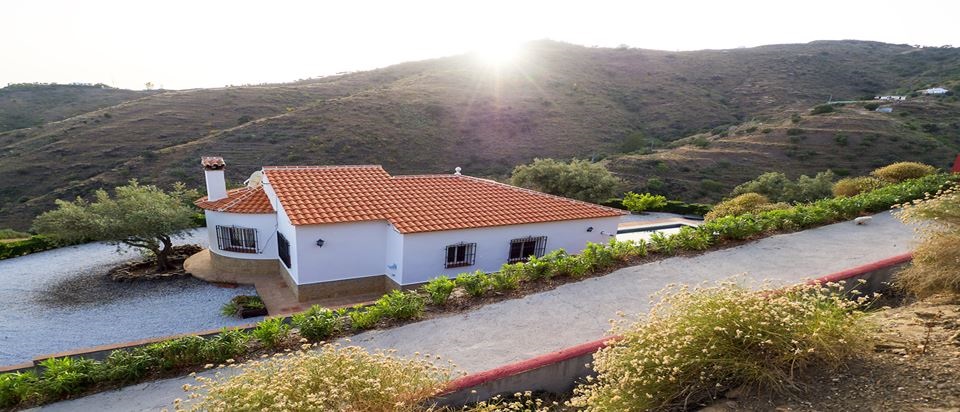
[(578, 179), (144, 217)]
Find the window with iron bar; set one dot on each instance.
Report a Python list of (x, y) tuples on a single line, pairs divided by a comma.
[(237, 239), (461, 254), (283, 249), (521, 249)]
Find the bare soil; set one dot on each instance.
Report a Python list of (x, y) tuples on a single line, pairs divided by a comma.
[(915, 367)]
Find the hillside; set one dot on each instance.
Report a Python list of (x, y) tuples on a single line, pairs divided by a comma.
[(556, 100), (32, 105), (850, 141)]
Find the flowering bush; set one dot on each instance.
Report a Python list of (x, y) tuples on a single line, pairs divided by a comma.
[(328, 378), (936, 260), (851, 186), (696, 343), (901, 171)]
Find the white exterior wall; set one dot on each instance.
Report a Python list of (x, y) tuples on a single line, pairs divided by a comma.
[(285, 227), (393, 264), (424, 254), (265, 224), (350, 250)]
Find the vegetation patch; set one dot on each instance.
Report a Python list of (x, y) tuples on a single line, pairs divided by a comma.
[(244, 306), (698, 343), (936, 260), (324, 378)]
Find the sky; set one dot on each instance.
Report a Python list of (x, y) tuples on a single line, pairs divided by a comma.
[(178, 44)]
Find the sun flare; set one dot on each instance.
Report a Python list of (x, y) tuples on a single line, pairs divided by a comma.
[(498, 53)]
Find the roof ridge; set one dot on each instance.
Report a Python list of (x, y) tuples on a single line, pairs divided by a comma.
[(427, 175), (323, 167)]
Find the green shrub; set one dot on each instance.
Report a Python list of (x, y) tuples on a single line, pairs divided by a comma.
[(794, 131), (364, 317), (271, 332), (852, 186), (34, 244), (663, 243), (597, 257), (535, 268), (642, 202), (574, 266), (439, 289), (400, 305), (12, 234), (901, 171), (125, 366), (697, 343), (504, 281), (19, 387), (176, 353), (476, 283), (745, 203), (689, 238), (871, 106), (66, 375), (777, 187), (625, 250), (823, 108), (318, 323)]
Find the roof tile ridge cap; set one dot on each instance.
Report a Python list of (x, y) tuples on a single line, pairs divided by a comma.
[(323, 167), (427, 175), (523, 189), (242, 196)]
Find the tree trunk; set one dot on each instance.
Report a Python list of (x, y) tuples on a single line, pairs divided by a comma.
[(163, 263)]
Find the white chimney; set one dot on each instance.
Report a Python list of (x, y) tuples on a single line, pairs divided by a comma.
[(213, 172)]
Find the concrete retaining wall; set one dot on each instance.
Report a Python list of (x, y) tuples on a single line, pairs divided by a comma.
[(560, 371)]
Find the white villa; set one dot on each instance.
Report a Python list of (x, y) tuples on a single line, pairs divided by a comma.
[(891, 98), (339, 230), (934, 90)]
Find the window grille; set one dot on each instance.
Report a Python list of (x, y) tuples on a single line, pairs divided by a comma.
[(283, 249), (522, 249), (461, 254), (237, 239)]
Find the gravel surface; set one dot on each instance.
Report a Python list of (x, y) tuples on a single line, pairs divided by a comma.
[(578, 312), (61, 299)]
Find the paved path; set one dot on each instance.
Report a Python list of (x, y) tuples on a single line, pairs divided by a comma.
[(578, 312)]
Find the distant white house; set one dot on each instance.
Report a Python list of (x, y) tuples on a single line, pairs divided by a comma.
[(935, 90), (341, 230), (890, 98)]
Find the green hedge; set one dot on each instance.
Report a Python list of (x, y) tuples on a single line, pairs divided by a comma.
[(672, 206), (34, 244)]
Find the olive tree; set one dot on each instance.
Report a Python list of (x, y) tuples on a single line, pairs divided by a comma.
[(578, 179), (142, 216)]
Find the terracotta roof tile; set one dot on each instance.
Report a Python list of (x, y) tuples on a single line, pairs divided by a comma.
[(242, 200), (331, 194)]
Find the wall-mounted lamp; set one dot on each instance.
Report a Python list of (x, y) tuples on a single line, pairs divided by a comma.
[(590, 229), (319, 242)]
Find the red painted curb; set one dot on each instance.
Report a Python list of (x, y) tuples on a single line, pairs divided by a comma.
[(537, 362), (528, 364), (869, 267)]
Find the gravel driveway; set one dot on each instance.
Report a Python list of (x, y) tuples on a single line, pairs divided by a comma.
[(61, 299)]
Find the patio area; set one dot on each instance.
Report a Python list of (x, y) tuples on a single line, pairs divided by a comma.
[(273, 290)]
